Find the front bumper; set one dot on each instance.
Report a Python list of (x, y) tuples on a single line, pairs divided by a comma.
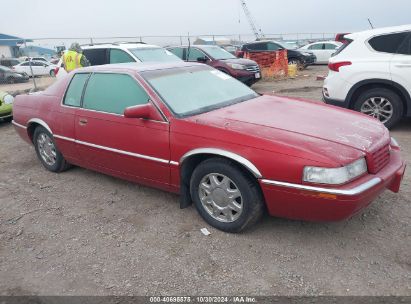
[(247, 77), (302, 202), (6, 111), (310, 59)]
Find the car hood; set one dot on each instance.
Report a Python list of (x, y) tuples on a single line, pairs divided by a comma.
[(331, 133), (240, 61)]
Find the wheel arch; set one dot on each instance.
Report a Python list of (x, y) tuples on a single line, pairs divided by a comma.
[(191, 159), (33, 123), (364, 85)]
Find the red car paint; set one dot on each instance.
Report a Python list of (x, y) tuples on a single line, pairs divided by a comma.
[(277, 136)]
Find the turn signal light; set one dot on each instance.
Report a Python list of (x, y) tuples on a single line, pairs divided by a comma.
[(335, 66)]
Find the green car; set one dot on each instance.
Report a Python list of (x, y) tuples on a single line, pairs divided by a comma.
[(6, 106)]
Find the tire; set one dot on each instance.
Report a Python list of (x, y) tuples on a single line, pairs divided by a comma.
[(8, 119), (11, 80), (249, 205), (52, 74), (57, 163), (393, 103)]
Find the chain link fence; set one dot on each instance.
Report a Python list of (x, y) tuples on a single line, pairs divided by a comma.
[(29, 64)]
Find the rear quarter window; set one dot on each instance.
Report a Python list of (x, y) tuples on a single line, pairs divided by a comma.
[(388, 43), (75, 90), (96, 56)]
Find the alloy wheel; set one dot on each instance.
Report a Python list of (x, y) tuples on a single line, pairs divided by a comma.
[(378, 107), (220, 197), (46, 148)]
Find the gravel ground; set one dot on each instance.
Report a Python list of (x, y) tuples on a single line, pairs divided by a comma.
[(85, 233)]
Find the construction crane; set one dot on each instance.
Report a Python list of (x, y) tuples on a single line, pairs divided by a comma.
[(257, 32)]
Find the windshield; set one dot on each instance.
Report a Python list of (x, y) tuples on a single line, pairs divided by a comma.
[(197, 89), (154, 55), (218, 53)]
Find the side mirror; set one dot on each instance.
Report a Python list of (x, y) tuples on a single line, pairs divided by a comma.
[(202, 59), (140, 111)]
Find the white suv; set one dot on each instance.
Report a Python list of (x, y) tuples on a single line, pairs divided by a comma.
[(110, 53), (372, 74)]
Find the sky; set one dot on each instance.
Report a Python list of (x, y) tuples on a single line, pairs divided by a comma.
[(107, 18)]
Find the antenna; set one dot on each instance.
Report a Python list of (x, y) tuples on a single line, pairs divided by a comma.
[(369, 21)]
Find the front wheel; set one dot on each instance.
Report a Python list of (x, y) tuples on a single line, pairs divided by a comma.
[(47, 151), (382, 104), (299, 63), (226, 197)]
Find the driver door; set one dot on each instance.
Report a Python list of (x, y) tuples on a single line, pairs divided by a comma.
[(131, 147)]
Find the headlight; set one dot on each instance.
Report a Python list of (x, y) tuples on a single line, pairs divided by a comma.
[(236, 66), (8, 99), (335, 176)]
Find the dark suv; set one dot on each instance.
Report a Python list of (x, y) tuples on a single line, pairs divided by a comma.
[(302, 59), (245, 70)]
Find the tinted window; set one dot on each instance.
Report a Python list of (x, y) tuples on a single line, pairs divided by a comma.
[(257, 47), (179, 52), (25, 64), (388, 43), (405, 47), (194, 53), (113, 93), (318, 46), (75, 90), (96, 56), (119, 56), (273, 46)]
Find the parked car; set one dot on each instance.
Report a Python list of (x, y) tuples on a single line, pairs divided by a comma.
[(191, 129), (7, 75), (302, 59), (245, 70), (38, 68), (372, 74), (9, 62), (6, 106), (322, 50), (110, 53), (37, 59)]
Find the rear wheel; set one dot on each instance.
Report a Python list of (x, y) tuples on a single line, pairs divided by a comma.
[(47, 151), (382, 104), (226, 197)]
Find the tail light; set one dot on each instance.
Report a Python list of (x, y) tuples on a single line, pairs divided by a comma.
[(56, 70), (335, 66)]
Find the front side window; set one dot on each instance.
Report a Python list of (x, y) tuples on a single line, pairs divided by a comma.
[(197, 89), (75, 90), (388, 43), (318, 46), (154, 55), (218, 53), (119, 56), (330, 46), (273, 46), (193, 54), (113, 93)]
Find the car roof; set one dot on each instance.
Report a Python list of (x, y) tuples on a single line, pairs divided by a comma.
[(125, 45), (138, 67), (378, 31)]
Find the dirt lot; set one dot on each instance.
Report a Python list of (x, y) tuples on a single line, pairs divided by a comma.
[(84, 233)]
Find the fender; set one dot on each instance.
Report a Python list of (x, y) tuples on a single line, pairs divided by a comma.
[(237, 158), (399, 87)]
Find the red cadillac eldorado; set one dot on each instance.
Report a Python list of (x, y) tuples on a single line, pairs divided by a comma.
[(193, 130)]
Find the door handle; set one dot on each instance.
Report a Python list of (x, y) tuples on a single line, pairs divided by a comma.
[(82, 122)]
